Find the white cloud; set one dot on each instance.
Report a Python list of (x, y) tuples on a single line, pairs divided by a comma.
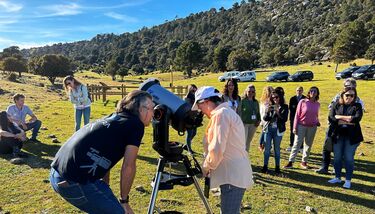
[(129, 3), (9, 7), (5, 42), (121, 17), (61, 10)]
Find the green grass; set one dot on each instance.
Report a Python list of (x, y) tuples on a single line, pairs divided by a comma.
[(25, 188)]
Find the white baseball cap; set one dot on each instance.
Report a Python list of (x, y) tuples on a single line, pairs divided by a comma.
[(204, 92)]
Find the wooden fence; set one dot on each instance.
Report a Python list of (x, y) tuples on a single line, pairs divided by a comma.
[(102, 91)]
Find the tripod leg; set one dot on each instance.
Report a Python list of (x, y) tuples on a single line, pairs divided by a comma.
[(201, 195), (155, 189)]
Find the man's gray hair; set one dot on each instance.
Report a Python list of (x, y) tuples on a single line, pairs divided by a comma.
[(350, 81), (132, 101)]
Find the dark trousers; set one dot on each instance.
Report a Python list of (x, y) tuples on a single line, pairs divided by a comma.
[(35, 126), (9, 145), (326, 155)]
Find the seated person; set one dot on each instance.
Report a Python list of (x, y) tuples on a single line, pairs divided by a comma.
[(11, 137), (18, 112)]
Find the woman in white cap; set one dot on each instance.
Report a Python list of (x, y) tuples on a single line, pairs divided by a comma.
[(226, 160)]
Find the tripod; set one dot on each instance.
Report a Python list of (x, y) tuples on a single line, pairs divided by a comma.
[(177, 180)]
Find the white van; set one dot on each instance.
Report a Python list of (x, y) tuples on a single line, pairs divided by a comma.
[(228, 75), (246, 76)]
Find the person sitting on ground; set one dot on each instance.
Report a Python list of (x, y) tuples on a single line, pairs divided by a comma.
[(18, 113), (11, 137), (81, 168)]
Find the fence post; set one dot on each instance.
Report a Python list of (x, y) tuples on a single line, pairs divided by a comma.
[(122, 91)]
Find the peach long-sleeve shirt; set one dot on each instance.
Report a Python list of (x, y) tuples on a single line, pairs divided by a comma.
[(224, 146)]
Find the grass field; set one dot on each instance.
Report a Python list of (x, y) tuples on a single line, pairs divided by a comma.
[(26, 189)]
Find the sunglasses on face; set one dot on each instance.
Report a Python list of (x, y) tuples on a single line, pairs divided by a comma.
[(349, 95), (250, 91), (313, 91), (275, 97)]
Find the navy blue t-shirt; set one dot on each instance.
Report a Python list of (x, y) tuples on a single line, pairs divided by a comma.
[(93, 150)]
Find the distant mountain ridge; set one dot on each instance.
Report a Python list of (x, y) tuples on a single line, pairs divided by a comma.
[(274, 32)]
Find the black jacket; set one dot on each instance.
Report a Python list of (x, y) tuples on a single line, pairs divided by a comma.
[(354, 133), (271, 117), (293, 102)]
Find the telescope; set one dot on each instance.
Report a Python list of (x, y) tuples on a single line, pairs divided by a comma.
[(172, 110), (169, 109)]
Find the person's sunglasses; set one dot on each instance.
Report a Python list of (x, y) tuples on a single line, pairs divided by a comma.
[(349, 95), (313, 91), (250, 91), (275, 97)]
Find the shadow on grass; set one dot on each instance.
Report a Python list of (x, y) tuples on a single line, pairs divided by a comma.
[(316, 159), (321, 191), (36, 154)]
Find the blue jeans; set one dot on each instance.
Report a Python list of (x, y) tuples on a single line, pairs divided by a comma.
[(35, 126), (86, 116), (190, 135), (343, 150), (261, 139), (271, 136), (92, 197), (231, 197)]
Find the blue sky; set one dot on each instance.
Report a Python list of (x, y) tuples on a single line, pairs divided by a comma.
[(32, 23)]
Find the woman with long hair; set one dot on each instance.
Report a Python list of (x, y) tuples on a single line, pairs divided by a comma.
[(230, 94), (79, 96), (264, 102), (190, 99), (345, 116), (305, 125), (249, 113), (274, 128), (11, 136)]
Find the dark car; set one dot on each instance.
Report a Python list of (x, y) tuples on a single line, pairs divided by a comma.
[(278, 76), (346, 73), (364, 72), (301, 76)]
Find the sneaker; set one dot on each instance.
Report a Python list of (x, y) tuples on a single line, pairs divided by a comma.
[(264, 169), (335, 181), (304, 165), (300, 150), (289, 165), (347, 184), (289, 149), (322, 170)]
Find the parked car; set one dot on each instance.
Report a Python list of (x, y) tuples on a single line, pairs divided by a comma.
[(228, 75), (301, 76), (364, 72), (246, 76), (346, 73), (278, 76)]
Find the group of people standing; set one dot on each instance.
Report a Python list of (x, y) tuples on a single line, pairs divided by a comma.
[(271, 113)]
